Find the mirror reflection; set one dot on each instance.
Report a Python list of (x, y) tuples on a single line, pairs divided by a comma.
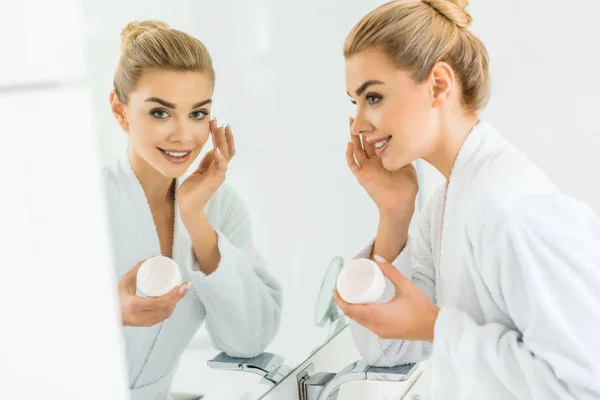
[(210, 182), (182, 240)]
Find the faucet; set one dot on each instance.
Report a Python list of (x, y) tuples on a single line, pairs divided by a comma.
[(311, 386), (267, 365), (326, 385)]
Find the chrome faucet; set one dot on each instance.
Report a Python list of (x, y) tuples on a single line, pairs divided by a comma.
[(267, 365), (326, 385)]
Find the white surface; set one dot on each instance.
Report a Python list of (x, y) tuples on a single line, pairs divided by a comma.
[(418, 391), (41, 49), (65, 342), (195, 377), (333, 357)]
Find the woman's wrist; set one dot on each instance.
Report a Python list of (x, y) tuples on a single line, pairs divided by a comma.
[(430, 324), (392, 234)]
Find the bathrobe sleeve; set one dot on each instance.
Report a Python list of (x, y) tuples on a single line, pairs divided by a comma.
[(542, 260), (243, 301), (416, 263)]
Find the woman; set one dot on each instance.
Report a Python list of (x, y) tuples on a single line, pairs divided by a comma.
[(499, 281), (163, 87)]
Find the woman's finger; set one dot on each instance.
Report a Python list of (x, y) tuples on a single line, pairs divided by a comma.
[(161, 302), (153, 320), (166, 312), (139, 305), (213, 129), (353, 311), (128, 281), (392, 273), (359, 152), (222, 141), (230, 141), (207, 160), (177, 293), (221, 160), (369, 148), (354, 167)]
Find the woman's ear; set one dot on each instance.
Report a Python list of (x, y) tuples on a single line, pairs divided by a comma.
[(118, 111), (442, 83)]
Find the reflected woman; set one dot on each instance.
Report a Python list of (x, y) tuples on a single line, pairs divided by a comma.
[(163, 87)]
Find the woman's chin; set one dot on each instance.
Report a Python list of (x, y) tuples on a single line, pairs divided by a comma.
[(394, 162), (389, 160), (174, 172)]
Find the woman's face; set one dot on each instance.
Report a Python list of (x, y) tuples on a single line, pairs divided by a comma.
[(167, 118), (393, 113)]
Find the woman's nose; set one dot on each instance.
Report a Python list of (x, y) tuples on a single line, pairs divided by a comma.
[(360, 126), (181, 133)]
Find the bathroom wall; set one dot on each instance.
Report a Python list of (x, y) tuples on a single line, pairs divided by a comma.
[(544, 66)]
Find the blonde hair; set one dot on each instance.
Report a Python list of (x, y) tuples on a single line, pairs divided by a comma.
[(416, 34), (154, 45)]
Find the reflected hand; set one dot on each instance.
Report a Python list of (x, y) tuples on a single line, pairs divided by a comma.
[(194, 193), (146, 311), (410, 315), (394, 192)]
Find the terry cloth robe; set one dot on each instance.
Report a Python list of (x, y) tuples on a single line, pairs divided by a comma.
[(514, 266), (240, 301)]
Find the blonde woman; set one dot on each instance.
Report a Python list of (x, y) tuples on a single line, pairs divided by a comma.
[(163, 86), (499, 282)]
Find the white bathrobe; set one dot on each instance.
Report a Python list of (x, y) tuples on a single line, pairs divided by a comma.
[(515, 267), (240, 301)]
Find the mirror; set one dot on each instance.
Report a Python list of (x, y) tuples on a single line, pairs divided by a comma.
[(327, 313), (279, 123)]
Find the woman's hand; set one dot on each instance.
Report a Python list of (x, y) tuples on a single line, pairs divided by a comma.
[(194, 193), (146, 311), (394, 192), (410, 315)]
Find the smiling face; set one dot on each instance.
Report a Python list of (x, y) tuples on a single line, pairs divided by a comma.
[(393, 112), (167, 119)]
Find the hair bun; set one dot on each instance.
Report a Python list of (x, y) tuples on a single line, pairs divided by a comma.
[(453, 10), (461, 3), (135, 28)]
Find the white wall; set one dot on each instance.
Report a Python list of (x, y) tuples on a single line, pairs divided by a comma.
[(544, 66), (61, 333)]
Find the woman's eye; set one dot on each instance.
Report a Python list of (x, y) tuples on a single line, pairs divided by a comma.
[(160, 114), (198, 114), (373, 99)]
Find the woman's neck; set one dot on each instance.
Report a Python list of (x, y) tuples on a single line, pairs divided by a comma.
[(452, 135), (157, 187)]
